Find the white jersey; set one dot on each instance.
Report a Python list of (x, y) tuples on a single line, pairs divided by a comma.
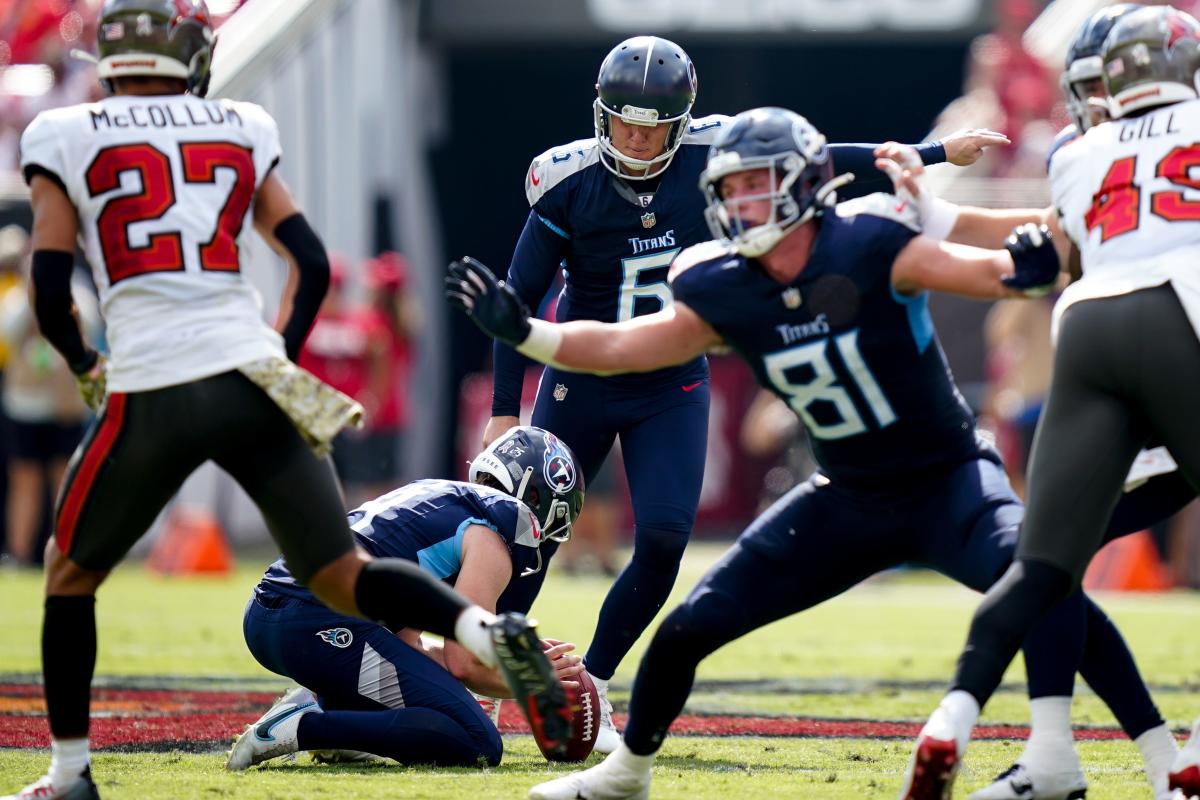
[(1128, 195), (164, 187)]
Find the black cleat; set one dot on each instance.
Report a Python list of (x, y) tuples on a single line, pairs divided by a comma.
[(528, 673)]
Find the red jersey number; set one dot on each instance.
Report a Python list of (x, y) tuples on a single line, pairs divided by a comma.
[(1116, 208), (163, 252)]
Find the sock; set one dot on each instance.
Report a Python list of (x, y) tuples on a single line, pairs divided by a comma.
[(1050, 719), (399, 594), (1158, 751), (471, 631), (1109, 668), (1005, 617), (68, 759), (954, 717), (636, 596), (1054, 648), (626, 760), (68, 658)]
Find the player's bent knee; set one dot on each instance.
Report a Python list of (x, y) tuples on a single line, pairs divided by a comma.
[(660, 546), (700, 625), (66, 578)]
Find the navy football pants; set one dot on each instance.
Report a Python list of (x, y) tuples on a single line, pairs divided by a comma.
[(379, 695), (821, 539), (663, 430)]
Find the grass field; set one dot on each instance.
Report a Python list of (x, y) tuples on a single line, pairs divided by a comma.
[(880, 653)]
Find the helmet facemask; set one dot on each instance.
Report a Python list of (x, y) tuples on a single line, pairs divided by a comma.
[(642, 169), (798, 195), (1085, 109)]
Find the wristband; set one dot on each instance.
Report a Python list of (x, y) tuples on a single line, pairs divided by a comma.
[(938, 218), (542, 342)]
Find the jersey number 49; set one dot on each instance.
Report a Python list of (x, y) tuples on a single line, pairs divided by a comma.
[(1117, 206)]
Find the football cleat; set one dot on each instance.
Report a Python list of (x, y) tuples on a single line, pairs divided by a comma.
[(607, 735), (1184, 778), (536, 689), (274, 734), (1019, 782), (608, 780), (44, 789), (932, 770)]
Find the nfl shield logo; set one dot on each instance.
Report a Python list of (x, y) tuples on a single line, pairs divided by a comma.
[(648, 220), (560, 392), (791, 298)]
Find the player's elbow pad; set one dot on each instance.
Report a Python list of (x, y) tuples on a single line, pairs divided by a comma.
[(295, 234), (52, 306)]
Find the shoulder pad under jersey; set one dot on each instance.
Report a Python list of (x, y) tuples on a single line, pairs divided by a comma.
[(557, 164), (881, 204), (699, 254), (703, 130)]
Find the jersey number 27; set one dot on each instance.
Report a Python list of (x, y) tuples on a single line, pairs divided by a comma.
[(163, 252)]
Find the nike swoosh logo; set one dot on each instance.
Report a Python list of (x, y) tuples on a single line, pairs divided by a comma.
[(533, 178), (901, 206), (263, 731), (691, 386)]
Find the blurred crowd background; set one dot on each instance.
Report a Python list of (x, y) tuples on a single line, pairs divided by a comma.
[(408, 126)]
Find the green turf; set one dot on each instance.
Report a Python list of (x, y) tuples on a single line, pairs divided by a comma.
[(905, 627)]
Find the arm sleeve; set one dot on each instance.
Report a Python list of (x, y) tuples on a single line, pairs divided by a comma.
[(54, 308), (539, 252), (301, 241), (860, 159)]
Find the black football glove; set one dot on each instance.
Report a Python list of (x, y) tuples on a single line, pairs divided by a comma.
[(491, 305), (1036, 262)]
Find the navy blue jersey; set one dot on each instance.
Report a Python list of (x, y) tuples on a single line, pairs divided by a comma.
[(615, 240), (858, 362), (425, 522)]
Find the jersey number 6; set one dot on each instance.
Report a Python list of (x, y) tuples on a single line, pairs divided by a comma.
[(163, 252)]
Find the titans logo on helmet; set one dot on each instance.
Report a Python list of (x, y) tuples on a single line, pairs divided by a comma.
[(338, 637), (557, 467)]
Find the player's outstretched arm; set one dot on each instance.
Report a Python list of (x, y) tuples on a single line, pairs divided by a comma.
[(940, 219), (281, 223), (674, 335), (1028, 266)]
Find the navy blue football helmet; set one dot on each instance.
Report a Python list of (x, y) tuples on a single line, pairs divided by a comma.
[(644, 81), (537, 468), (801, 172), (1084, 66)]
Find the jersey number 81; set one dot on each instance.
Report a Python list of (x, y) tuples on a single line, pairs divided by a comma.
[(823, 386)]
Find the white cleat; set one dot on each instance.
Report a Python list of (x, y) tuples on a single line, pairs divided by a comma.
[(44, 789), (608, 738), (1020, 782), (1184, 778), (608, 780), (274, 734)]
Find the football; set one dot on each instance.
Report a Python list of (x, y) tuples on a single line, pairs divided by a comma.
[(584, 703)]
